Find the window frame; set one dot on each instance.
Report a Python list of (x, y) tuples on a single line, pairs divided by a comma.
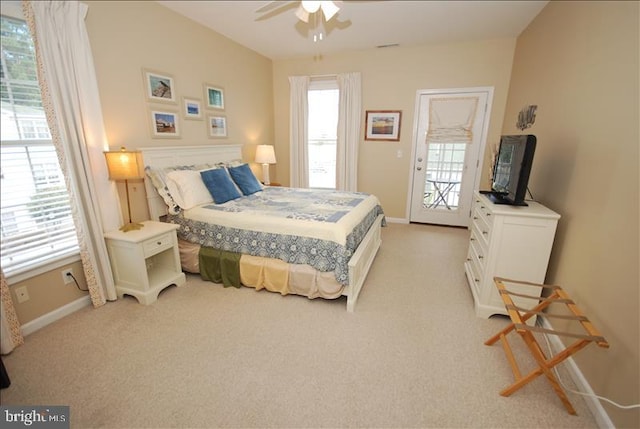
[(12, 10), (323, 84)]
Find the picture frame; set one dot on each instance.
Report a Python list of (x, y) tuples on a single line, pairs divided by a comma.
[(217, 126), (214, 96), (164, 124), (159, 86), (383, 125), (192, 108)]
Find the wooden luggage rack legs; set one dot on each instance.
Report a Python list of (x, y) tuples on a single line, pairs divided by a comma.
[(518, 318)]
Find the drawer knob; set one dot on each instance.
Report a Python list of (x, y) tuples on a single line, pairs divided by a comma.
[(488, 214), (484, 232), (472, 239), (159, 243), (480, 257)]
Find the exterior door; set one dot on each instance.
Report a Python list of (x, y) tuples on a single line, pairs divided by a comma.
[(449, 140)]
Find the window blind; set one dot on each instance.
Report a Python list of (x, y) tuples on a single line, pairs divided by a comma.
[(451, 119), (36, 223)]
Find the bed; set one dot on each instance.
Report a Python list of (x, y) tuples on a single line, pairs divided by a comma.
[(281, 239)]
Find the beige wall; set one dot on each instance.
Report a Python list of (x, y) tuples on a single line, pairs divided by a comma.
[(578, 61), (390, 79), (48, 292), (128, 36)]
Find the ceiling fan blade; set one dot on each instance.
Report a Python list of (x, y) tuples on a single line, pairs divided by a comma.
[(274, 4), (329, 9), (302, 14), (274, 8)]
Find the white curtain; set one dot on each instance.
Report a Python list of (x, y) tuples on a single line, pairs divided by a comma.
[(72, 103), (349, 121), (451, 119), (298, 131), (10, 334)]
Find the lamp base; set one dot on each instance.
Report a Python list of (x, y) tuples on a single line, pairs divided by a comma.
[(265, 174), (131, 226)]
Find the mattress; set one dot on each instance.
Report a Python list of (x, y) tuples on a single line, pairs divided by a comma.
[(318, 228)]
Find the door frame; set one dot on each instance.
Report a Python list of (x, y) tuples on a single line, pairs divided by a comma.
[(483, 138)]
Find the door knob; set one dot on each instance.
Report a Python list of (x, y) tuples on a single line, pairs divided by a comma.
[(419, 159), (419, 168)]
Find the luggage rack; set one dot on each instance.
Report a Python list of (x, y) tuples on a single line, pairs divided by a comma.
[(520, 315)]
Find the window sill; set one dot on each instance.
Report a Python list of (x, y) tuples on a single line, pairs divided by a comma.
[(41, 269)]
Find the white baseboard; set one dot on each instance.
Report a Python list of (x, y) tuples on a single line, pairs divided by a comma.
[(396, 220), (582, 385), (57, 314)]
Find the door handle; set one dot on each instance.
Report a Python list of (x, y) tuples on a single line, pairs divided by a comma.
[(419, 168)]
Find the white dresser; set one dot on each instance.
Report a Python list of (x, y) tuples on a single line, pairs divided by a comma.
[(513, 242)]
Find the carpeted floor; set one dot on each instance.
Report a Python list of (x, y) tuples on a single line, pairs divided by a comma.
[(412, 355)]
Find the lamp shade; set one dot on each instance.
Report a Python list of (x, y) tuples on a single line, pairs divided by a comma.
[(124, 164), (265, 154)]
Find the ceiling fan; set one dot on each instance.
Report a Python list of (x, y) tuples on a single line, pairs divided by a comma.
[(305, 8)]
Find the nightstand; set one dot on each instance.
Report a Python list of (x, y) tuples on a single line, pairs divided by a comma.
[(145, 261)]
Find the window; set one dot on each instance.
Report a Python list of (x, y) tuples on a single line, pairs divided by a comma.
[(37, 227), (323, 99)]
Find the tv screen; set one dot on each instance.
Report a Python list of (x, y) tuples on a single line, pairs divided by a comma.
[(512, 168)]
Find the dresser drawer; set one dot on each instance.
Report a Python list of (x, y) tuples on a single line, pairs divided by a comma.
[(475, 271), (478, 254), (157, 244), (484, 219), (481, 232)]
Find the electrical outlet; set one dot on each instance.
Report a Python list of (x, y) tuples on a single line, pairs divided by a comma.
[(67, 276), (22, 294)]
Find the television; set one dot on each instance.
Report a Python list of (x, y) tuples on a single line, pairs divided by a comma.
[(511, 171)]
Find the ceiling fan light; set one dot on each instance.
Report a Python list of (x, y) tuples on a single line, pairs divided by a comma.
[(302, 14), (311, 6), (329, 9)]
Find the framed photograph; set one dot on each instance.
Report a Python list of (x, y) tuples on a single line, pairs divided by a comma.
[(164, 124), (214, 96), (383, 125), (191, 108), (159, 87), (217, 126)]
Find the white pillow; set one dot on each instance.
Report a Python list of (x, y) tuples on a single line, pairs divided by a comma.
[(188, 189)]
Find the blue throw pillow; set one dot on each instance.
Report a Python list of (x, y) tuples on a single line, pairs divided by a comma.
[(244, 178), (220, 185)]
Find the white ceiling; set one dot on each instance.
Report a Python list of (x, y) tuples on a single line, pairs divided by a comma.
[(362, 24)]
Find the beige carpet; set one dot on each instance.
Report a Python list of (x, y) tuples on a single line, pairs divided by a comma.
[(412, 355)]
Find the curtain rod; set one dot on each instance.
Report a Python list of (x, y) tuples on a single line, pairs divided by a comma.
[(323, 76)]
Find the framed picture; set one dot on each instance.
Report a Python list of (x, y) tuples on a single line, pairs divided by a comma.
[(214, 96), (191, 108), (217, 126), (164, 124), (159, 87), (383, 125)]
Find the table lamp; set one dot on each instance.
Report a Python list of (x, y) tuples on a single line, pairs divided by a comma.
[(125, 165), (265, 155)]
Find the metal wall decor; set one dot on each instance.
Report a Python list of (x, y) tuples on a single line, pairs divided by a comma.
[(526, 117)]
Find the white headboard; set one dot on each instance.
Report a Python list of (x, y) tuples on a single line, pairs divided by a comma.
[(161, 157)]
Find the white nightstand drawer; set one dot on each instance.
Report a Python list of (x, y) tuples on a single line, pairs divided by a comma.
[(157, 244)]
